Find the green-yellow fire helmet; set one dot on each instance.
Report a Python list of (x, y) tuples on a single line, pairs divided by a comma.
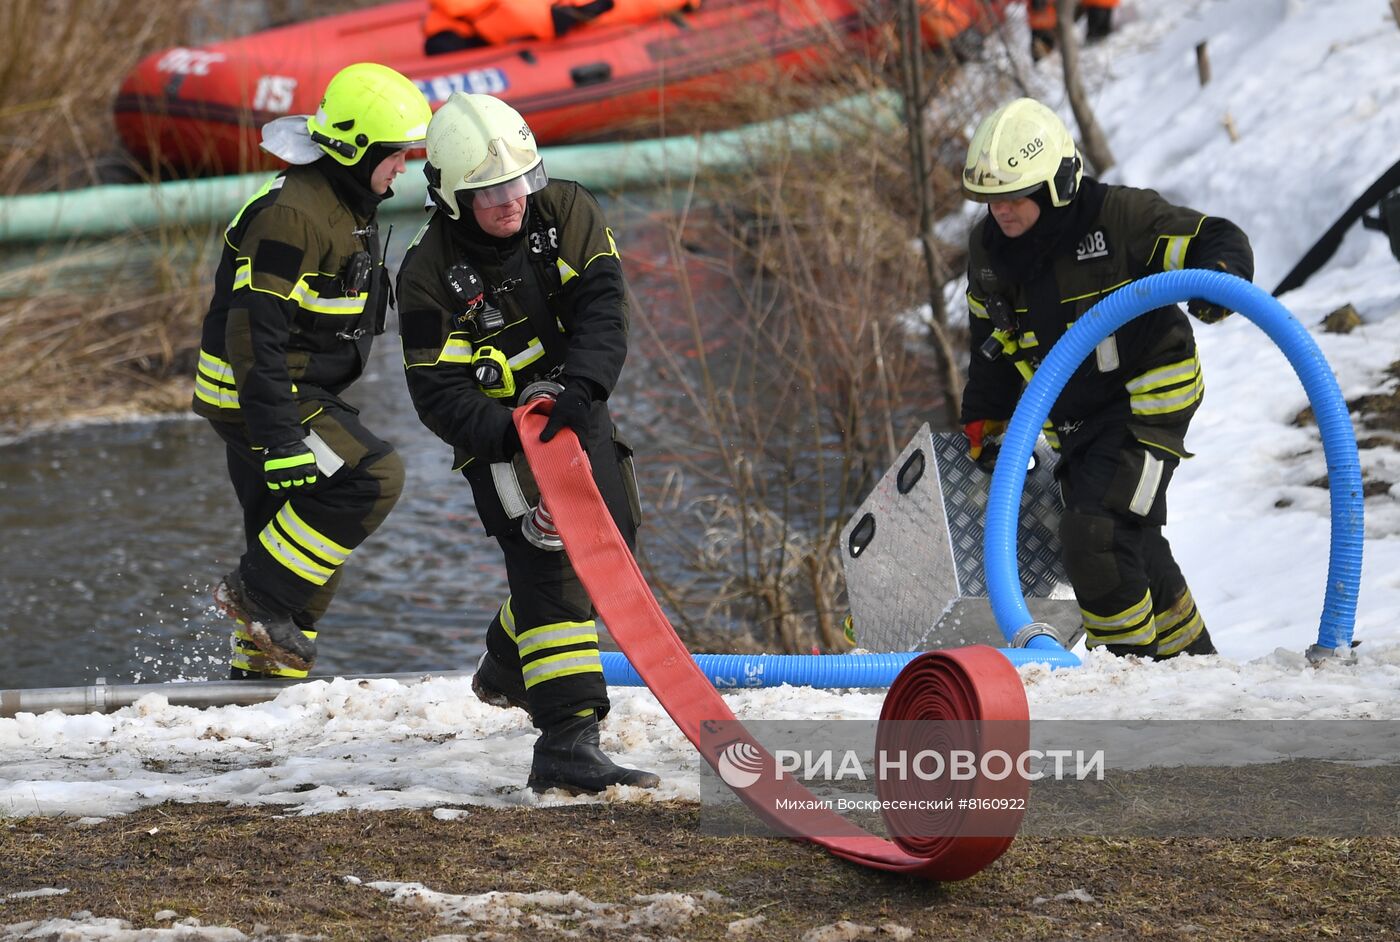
[(1019, 148), (366, 104), (480, 148)]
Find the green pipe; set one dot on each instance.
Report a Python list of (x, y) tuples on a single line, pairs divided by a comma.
[(117, 208)]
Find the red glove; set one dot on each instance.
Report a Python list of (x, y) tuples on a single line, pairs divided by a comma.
[(984, 435)]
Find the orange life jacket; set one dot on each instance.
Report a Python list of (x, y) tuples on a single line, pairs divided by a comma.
[(503, 21), (1045, 19), (942, 21)]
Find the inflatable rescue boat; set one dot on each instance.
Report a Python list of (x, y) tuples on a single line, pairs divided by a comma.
[(198, 110)]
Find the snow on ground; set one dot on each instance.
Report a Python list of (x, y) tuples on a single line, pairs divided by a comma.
[(1311, 92)]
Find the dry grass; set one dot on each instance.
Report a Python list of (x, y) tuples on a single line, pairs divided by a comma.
[(799, 387), (64, 60), (108, 328), (243, 867), (88, 350)]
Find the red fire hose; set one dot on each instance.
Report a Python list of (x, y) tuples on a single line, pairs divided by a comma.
[(973, 691)]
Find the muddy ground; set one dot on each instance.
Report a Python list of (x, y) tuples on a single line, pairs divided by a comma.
[(259, 871)]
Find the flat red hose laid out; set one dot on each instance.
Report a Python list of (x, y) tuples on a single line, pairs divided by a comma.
[(967, 684)]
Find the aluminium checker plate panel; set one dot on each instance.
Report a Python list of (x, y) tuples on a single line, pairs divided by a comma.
[(912, 552)]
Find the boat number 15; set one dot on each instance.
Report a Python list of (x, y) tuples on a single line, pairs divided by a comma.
[(274, 93)]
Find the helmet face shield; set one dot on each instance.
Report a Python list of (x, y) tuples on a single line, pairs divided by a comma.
[(499, 194), (979, 197), (408, 145), (478, 144)]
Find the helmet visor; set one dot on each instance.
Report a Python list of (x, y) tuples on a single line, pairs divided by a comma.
[(413, 144), (989, 195), (499, 194)]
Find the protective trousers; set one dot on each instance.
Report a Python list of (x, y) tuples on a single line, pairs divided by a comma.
[(545, 629), (1131, 593), (1041, 17), (298, 540)]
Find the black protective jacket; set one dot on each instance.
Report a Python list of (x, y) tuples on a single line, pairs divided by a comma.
[(1024, 293), (562, 302), (290, 325)]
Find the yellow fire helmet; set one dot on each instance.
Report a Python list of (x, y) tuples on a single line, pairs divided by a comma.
[(1019, 148), (366, 104), (481, 147)]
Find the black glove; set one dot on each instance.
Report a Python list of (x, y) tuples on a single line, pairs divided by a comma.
[(510, 442), (572, 407), (290, 465), (1207, 313)]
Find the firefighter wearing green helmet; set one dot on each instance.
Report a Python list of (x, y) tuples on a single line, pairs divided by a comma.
[(299, 295), (515, 281), (1053, 243)]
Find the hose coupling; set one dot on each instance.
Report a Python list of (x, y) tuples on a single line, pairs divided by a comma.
[(1035, 629)]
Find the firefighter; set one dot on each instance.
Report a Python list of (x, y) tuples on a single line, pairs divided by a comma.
[(299, 295), (1053, 243), (514, 280), (1040, 17), (452, 25)]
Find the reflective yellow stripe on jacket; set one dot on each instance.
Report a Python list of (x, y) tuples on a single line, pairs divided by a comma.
[(1174, 387), (213, 382), (304, 295)]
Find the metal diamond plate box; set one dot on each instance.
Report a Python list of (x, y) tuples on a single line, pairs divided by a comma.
[(912, 552)]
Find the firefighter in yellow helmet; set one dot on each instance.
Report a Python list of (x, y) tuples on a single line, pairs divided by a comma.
[(516, 281), (299, 295), (1053, 243)]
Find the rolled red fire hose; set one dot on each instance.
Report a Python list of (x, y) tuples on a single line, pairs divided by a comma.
[(973, 691)]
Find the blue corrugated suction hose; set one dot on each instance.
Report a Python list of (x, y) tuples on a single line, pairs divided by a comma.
[(729, 671), (1338, 439)]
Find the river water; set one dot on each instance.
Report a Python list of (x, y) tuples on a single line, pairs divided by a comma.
[(114, 534)]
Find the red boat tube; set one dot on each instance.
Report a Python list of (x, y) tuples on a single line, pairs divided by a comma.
[(199, 110)]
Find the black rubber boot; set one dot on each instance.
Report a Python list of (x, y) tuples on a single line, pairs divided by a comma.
[(495, 684), (567, 757), (1202, 645), (239, 673), (257, 665), (276, 636)]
